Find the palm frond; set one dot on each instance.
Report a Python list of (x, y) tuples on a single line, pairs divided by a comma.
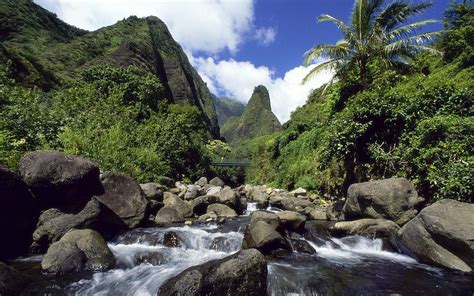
[(398, 12), (412, 40), (329, 65), (349, 35), (337, 51), (407, 30)]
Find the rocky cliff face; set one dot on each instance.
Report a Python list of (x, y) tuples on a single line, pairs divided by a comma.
[(256, 120), (63, 52)]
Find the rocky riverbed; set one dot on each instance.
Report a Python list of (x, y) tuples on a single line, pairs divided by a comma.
[(72, 230)]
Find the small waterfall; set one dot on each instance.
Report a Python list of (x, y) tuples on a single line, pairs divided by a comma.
[(251, 207), (144, 263)]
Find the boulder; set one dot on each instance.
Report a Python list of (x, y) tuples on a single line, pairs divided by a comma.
[(299, 192), (317, 214), (166, 181), (154, 206), (296, 204), (171, 240), (152, 191), (168, 215), (18, 215), (217, 182), (78, 250), (393, 199), (125, 198), (207, 217), (201, 182), (199, 204), (276, 200), (241, 274), (192, 191), (173, 201), (442, 235), (57, 180), (271, 218), (292, 221), (54, 224), (262, 236), (12, 282), (373, 228), (259, 196), (302, 246), (334, 211), (221, 210), (213, 190), (229, 198)]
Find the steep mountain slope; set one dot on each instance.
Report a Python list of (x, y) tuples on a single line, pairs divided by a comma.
[(256, 120), (50, 53), (226, 108)]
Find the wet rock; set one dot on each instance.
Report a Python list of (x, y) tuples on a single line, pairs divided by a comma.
[(229, 198), (12, 282), (259, 196), (393, 199), (271, 218), (292, 221), (18, 214), (58, 180), (168, 215), (442, 235), (263, 237), (373, 228), (78, 250), (125, 198), (221, 210), (153, 258), (172, 201), (221, 244), (152, 191), (302, 246), (207, 217), (201, 182), (217, 182), (241, 274), (54, 224), (171, 240)]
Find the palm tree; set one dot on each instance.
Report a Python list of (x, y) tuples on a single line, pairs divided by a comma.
[(374, 33)]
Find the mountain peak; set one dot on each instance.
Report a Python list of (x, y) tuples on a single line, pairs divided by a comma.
[(260, 99)]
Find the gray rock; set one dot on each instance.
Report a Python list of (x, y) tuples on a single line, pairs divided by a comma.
[(241, 274), (18, 215), (271, 218), (213, 190), (379, 228), (199, 204), (201, 182), (60, 181), (221, 210), (296, 204), (442, 235), (153, 191), (54, 224), (299, 192), (172, 201), (154, 206), (125, 198), (317, 214), (259, 196), (12, 282), (166, 181), (217, 182), (168, 215), (192, 192), (262, 236), (292, 221), (393, 199), (334, 211), (78, 250), (229, 198)]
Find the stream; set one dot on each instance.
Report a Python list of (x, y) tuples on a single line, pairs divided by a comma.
[(352, 265)]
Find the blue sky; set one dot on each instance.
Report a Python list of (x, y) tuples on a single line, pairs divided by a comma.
[(236, 44)]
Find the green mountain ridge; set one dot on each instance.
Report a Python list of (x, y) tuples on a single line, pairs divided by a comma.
[(227, 108), (256, 120), (49, 53)]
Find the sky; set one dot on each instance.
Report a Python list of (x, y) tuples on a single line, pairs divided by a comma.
[(236, 45)]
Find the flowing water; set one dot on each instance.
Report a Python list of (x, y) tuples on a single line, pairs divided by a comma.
[(351, 265)]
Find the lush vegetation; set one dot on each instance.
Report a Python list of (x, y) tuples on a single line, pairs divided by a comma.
[(415, 122), (115, 116)]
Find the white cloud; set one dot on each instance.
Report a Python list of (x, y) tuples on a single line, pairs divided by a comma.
[(209, 26), (265, 36), (238, 79)]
